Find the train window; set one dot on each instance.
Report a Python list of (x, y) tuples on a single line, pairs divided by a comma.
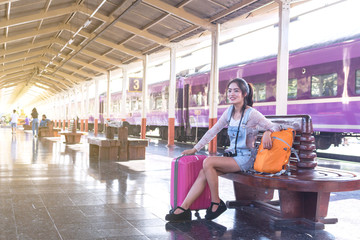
[(135, 104), (199, 99), (152, 101), (357, 82), (158, 103), (324, 85), (128, 107), (166, 99), (292, 89), (259, 92)]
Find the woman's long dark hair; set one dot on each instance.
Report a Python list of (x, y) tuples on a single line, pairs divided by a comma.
[(244, 86), (34, 110)]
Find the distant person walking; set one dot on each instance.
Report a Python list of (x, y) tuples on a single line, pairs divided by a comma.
[(35, 122), (14, 120)]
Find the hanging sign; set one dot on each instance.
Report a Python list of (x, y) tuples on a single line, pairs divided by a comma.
[(135, 84)]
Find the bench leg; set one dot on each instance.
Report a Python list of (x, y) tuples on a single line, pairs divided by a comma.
[(136, 152), (244, 195), (123, 156), (113, 153), (104, 153), (309, 205), (93, 150)]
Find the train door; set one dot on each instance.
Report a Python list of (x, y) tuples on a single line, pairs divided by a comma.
[(185, 126)]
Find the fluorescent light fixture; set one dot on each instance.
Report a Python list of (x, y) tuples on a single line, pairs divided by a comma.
[(87, 23)]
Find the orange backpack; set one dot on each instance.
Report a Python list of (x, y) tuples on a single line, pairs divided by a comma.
[(276, 159)]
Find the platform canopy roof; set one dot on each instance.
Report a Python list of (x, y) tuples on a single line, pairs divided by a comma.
[(49, 46)]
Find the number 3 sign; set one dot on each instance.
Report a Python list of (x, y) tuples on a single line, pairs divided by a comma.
[(135, 84)]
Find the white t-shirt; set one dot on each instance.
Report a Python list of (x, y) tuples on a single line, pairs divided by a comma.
[(14, 117)]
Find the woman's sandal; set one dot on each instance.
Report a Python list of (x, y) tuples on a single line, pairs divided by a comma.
[(181, 217), (210, 215)]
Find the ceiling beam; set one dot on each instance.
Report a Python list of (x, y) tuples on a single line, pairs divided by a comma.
[(78, 71), (232, 9), (103, 58), (18, 65), (31, 34), (39, 16), (105, 42), (126, 27), (68, 76), (64, 82), (24, 48), (90, 66), (17, 74), (25, 87), (15, 78), (21, 56), (4, 78), (181, 13), (53, 86)]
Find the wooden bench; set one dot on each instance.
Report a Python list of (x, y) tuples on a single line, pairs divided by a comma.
[(109, 148), (304, 195), (131, 148), (103, 148), (137, 148), (27, 126), (72, 136), (49, 130), (122, 148)]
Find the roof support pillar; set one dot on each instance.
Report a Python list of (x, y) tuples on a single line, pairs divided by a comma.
[(65, 111), (108, 95), (144, 97), (172, 92), (214, 85), (282, 76), (125, 81), (62, 101), (76, 107), (69, 114), (86, 116), (96, 108), (82, 104)]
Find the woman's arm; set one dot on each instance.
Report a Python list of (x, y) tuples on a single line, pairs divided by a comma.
[(210, 134), (263, 123)]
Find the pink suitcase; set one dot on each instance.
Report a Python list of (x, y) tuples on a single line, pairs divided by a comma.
[(184, 171)]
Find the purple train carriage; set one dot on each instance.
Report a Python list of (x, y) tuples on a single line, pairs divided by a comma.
[(324, 82)]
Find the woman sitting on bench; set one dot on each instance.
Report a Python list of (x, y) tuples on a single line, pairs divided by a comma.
[(44, 121), (243, 123)]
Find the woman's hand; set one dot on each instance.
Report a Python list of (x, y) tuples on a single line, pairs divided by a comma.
[(267, 143), (189, 151)]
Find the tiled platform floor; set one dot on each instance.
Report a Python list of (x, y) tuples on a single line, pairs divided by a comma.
[(49, 190)]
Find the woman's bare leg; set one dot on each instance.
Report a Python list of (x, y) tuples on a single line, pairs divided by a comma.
[(195, 191), (214, 167)]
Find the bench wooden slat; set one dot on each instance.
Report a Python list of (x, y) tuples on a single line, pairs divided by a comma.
[(319, 180)]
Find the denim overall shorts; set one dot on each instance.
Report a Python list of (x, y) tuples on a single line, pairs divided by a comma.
[(243, 158)]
